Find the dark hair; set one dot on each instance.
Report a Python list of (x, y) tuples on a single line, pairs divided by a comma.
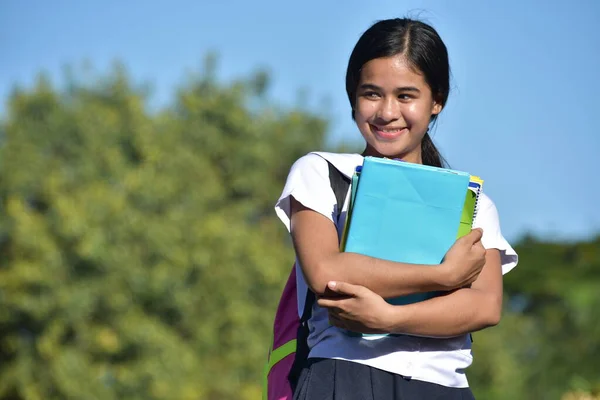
[(423, 49)]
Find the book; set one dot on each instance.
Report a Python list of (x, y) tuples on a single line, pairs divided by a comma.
[(470, 207), (409, 213)]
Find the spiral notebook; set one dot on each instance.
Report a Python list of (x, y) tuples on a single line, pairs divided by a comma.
[(471, 205)]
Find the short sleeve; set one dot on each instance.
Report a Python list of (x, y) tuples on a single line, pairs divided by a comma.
[(488, 220), (308, 183)]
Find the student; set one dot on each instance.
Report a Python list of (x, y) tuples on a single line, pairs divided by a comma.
[(397, 83)]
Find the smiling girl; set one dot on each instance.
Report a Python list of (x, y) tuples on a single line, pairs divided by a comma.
[(397, 83)]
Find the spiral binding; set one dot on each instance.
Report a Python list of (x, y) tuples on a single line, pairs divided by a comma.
[(477, 184)]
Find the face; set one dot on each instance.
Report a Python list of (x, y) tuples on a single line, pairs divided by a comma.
[(393, 108)]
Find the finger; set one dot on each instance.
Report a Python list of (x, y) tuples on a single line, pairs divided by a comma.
[(344, 288), (335, 311), (330, 293), (331, 304), (478, 250), (479, 245), (475, 235), (334, 315)]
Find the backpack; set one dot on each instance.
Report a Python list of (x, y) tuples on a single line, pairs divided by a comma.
[(289, 349)]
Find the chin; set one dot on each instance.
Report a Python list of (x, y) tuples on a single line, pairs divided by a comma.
[(391, 151)]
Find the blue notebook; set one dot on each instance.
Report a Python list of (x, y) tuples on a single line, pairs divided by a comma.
[(406, 212)]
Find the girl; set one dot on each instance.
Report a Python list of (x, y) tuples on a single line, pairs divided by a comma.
[(397, 83)]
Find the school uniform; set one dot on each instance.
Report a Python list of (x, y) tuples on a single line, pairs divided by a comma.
[(348, 367)]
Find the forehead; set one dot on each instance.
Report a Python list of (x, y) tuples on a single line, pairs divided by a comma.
[(391, 71)]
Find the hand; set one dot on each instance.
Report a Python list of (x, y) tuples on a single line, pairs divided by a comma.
[(464, 261), (356, 308)]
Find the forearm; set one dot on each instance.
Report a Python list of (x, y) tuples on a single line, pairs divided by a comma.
[(462, 311), (386, 278), (316, 243)]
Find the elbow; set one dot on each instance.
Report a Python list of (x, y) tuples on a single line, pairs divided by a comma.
[(493, 319), (493, 311), (319, 276)]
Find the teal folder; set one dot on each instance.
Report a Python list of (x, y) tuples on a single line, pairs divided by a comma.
[(405, 212)]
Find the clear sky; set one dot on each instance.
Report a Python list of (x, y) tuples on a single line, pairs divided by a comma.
[(521, 114)]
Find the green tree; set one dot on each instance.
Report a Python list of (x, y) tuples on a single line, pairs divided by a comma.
[(141, 256), (547, 343)]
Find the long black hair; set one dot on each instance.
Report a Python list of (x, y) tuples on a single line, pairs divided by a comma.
[(423, 49)]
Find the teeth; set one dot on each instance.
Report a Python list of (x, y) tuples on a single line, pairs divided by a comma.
[(388, 130)]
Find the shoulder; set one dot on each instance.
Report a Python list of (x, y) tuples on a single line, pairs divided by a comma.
[(308, 183), (309, 163), (344, 162)]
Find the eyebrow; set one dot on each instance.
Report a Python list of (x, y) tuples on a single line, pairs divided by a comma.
[(399, 89)]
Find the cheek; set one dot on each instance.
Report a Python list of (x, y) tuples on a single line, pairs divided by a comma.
[(417, 113), (365, 111)]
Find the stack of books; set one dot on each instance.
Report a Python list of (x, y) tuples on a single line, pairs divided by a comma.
[(408, 213)]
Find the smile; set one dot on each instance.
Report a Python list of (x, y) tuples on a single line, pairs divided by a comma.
[(387, 133)]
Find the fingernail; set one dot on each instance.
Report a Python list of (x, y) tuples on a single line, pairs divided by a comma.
[(332, 284)]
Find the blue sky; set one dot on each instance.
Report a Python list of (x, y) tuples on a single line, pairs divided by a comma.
[(521, 114)]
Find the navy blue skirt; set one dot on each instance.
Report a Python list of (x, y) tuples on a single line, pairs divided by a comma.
[(326, 379)]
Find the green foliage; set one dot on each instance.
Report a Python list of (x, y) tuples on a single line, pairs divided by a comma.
[(141, 257), (548, 341)]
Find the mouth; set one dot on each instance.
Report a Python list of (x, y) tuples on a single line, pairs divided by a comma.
[(388, 133)]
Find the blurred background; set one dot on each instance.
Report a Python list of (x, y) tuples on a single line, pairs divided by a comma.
[(143, 145)]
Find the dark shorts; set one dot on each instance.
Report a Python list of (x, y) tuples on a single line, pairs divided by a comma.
[(325, 379)]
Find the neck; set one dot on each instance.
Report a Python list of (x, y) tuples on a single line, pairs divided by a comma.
[(414, 156)]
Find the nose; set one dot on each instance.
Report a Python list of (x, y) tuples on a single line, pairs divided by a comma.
[(389, 110)]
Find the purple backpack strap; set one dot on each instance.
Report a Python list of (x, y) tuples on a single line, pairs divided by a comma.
[(289, 349)]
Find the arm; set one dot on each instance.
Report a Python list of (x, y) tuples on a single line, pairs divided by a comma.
[(473, 309), (461, 311), (316, 243)]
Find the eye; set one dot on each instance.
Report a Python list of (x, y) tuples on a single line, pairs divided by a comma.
[(404, 97), (370, 95)]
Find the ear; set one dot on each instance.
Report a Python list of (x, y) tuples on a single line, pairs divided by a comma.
[(437, 108)]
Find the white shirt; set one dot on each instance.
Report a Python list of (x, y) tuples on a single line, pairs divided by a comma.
[(440, 361)]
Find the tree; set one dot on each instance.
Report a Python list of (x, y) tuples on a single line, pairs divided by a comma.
[(547, 343), (142, 259)]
